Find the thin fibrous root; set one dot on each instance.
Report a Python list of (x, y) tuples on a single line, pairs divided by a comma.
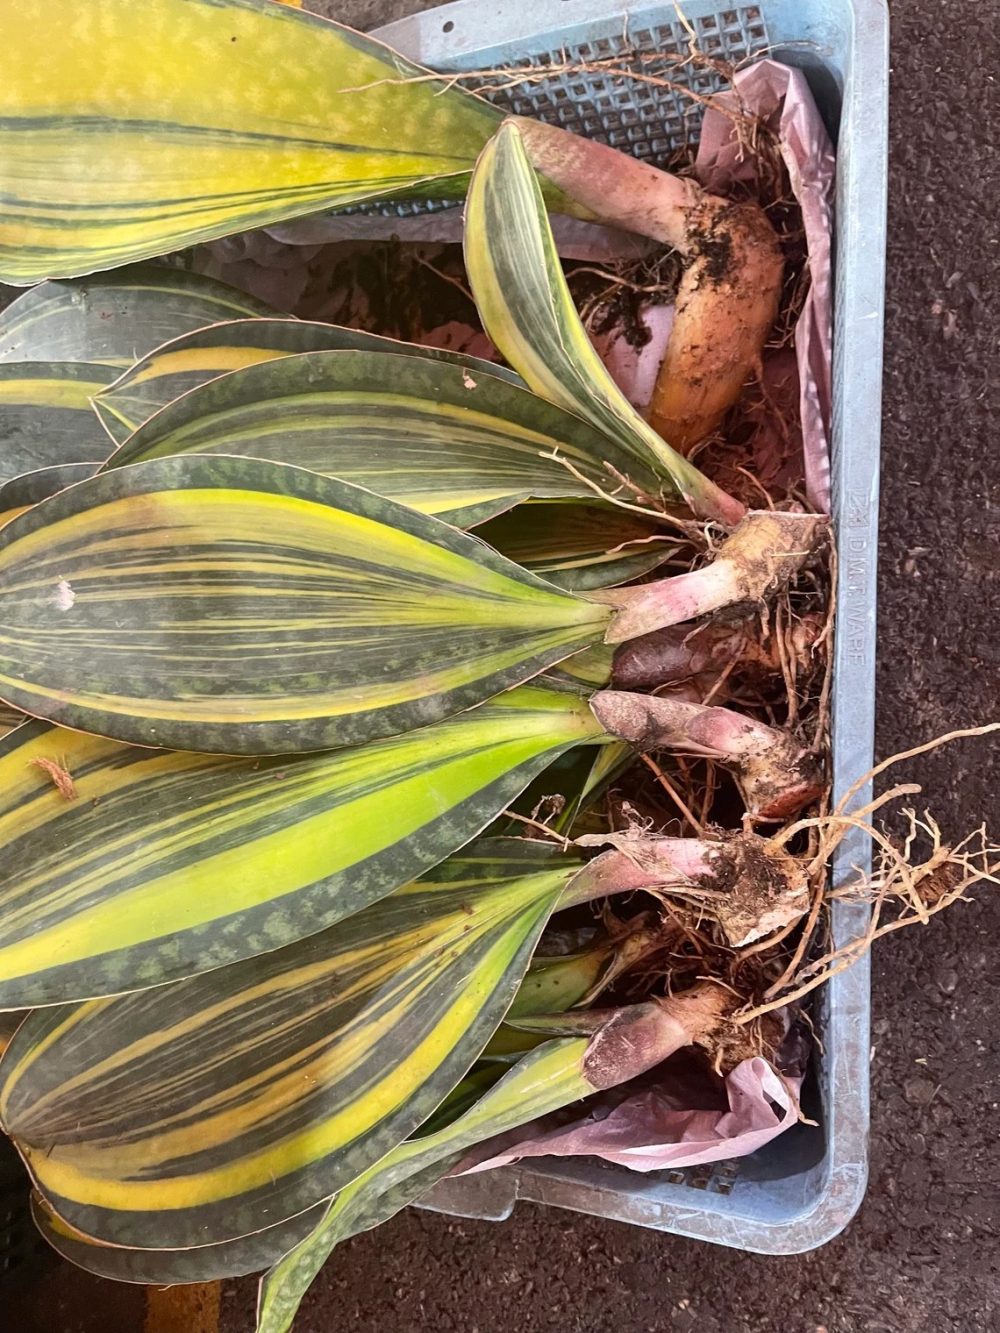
[(913, 891)]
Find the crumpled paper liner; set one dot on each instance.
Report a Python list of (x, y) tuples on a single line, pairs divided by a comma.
[(654, 1129), (779, 95)]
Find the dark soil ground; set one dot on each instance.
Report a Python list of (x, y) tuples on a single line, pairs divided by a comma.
[(923, 1255)]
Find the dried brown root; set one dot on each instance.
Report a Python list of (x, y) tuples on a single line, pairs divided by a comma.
[(776, 774), (750, 885), (758, 560), (905, 888), (60, 777), (908, 893), (729, 293)]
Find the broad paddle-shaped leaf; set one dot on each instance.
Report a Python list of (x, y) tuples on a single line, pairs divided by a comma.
[(211, 1108), (158, 865), (28, 489), (237, 606), (113, 318), (437, 435), (193, 359), (202, 1263), (173, 121), (46, 417), (542, 1081), (621, 1044), (545, 1079), (247, 1254), (527, 310)]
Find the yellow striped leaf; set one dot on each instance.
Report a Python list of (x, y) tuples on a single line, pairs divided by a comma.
[(46, 418), (579, 546), (193, 359), (481, 1106), (550, 1077), (173, 121), (155, 865), (587, 671), (543, 1080), (602, 768), (549, 985), (21, 493), (429, 433), (112, 318), (620, 1044), (214, 1107), (237, 606), (203, 1263), (526, 308)]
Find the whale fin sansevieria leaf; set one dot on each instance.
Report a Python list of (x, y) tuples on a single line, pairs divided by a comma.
[(212, 1108), (142, 866), (238, 606), (175, 121), (444, 436), (113, 318)]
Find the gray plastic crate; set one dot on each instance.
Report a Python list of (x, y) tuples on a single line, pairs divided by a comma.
[(804, 1188)]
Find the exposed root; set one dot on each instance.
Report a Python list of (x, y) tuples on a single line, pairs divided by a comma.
[(674, 794), (913, 891), (777, 776), (727, 301), (751, 566), (508, 78), (906, 887)]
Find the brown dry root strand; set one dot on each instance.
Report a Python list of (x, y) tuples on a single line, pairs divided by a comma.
[(755, 562), (10, 1021), (750, 885), (10, 718), (680, 653), (728, 297), (634, 943), (777, 775), (902, 892)]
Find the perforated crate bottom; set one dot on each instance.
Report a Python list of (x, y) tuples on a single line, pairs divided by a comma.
[(651, 117)]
